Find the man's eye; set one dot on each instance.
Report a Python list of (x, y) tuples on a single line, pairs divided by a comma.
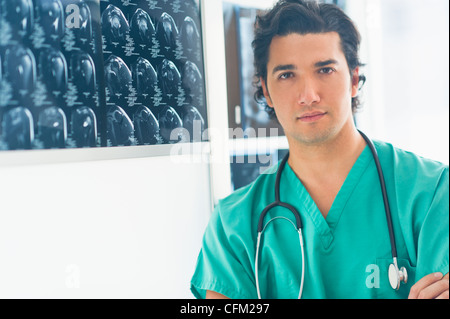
[(327, 70), (286, 75)]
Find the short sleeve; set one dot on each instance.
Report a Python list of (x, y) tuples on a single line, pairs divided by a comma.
[(219, 268), (433, 239)]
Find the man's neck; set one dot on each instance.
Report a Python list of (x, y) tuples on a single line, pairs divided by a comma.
[(329, 161), (323, 168)]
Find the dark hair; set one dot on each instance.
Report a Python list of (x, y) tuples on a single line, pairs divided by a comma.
[(303, 17)]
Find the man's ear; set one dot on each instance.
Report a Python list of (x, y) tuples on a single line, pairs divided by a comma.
[(266, 92), (355, 82)]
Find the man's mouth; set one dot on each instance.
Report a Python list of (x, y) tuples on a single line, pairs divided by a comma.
[(312, 117)]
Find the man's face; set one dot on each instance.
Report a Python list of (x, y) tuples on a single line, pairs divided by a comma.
[(309, 86)]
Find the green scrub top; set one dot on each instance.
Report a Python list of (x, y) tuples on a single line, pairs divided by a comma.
[(347, 254)]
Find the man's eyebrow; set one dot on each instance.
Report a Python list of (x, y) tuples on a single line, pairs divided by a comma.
[(283, 67), (325, 63), (319, 64)]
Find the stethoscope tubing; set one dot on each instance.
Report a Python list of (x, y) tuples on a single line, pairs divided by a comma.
[(258, 243), (384, 193), (278, 202)]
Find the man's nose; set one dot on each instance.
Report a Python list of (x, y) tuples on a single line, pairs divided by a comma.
[(307, 93)]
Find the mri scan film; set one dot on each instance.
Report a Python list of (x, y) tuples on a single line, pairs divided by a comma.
[(93, 73)]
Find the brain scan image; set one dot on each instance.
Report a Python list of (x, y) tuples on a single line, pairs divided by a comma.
[(84, 32), (83, 72), (18, 128), (146, 127), (194, 123), (192, 79), (169, 77), (84, 127), (189, 35), (114, 25), (144, 77), (167, 32), (118, 77), (52, 127), (53, 68), (20, 68), (51, 15), (142, 28), (20, 16), (170, 124), (120, 129)]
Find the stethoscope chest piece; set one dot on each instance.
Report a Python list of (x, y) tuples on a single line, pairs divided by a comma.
[(396, 276)]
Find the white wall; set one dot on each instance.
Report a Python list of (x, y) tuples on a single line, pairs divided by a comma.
[(405, 44), (101, 229)]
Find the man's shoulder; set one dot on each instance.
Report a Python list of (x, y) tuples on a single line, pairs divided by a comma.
[(405, 163)]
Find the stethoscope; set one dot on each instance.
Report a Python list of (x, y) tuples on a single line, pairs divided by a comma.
[(396, 275)]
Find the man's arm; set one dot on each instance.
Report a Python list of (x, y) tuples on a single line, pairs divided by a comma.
[(432, 286), (214, 295)]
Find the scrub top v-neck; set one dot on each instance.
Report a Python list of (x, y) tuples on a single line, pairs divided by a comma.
[(324, 227), (347, 254)]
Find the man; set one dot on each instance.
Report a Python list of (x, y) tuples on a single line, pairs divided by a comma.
[(306, 58)]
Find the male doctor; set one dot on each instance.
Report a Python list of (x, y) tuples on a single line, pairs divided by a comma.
[(306, 59)]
